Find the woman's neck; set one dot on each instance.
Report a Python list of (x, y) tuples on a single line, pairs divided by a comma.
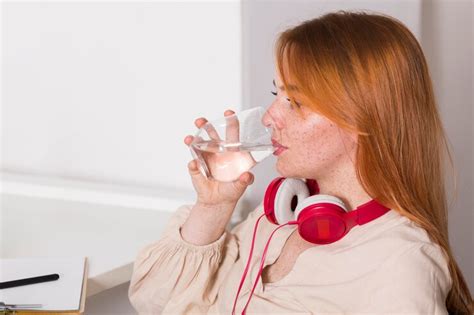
[(342, 182)]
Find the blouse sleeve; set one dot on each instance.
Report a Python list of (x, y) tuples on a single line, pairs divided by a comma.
[(172, 276), (417, 282)]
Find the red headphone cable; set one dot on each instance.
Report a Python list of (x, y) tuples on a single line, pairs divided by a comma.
[(248, 263), (263, 261)]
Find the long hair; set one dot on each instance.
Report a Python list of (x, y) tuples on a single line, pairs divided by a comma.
[(367, 73)]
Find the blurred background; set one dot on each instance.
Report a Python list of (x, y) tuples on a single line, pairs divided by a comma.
[(97, 98)]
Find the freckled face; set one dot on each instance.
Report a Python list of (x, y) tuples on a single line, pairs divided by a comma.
[(316, 146)]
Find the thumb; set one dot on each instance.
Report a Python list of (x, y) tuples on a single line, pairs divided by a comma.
[(246, 179)]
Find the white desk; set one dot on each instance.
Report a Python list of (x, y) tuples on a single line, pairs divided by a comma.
[(109, 235)]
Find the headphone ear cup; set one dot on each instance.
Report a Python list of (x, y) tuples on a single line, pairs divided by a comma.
[(285, 205), (269, 199), (320, 219)]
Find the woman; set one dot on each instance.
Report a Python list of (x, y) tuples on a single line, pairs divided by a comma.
[(355, 110)]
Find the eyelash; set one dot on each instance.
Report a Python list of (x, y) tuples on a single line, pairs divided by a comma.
[(297, 104)]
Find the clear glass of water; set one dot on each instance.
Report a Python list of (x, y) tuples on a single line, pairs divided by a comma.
[(227, 147)]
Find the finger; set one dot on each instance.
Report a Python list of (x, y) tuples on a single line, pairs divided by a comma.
[(188, 139), (232, 129), (196, 175), (199, 122), (193, 167), (211, 131)]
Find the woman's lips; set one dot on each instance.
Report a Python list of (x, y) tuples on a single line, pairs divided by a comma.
[(276, 144), (279, 148), (279, 151)]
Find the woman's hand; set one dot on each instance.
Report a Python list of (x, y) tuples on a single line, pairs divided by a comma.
[(209, 191)]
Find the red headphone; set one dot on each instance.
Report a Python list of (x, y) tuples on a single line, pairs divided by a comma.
[(321, 219)]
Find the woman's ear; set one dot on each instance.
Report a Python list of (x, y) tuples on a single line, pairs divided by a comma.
[(350, 136), (353, 137), (349, 140)]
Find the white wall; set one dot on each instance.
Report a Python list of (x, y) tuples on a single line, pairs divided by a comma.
[(107, 91), (102, 94), (447, 40)]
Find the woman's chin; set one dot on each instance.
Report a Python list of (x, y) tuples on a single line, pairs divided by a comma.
[(286, 170), (283, 171)]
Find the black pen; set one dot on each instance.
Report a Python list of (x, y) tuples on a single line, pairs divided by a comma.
[(26, 281)]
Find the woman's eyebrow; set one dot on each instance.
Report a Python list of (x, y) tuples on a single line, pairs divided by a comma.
[(291, 87)]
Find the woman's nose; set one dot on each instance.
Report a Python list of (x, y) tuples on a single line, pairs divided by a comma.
[(267, 120), (272, 118)]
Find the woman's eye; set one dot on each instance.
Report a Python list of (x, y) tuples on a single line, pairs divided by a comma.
[(297, 104)]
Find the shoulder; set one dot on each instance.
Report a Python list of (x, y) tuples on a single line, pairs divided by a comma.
[(418, 277), (401, 253), (416, 269), (413, 252), (425, 262)]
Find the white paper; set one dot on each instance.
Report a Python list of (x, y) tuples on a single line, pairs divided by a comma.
[(58, 295)]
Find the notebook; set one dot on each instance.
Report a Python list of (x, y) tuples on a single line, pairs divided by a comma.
[(65, 294)]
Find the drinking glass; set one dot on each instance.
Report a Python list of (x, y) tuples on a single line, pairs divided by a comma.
[(227, 147)]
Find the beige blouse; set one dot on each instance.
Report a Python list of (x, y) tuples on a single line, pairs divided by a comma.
[(388, 265)]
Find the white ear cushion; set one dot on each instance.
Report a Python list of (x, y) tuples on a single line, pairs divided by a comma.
[(319, 199), (289, 188)]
